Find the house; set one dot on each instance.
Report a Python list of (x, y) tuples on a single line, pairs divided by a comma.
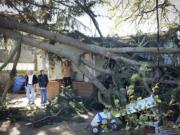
[(26, 61), (36, 59), (169, 39), (53, 66)]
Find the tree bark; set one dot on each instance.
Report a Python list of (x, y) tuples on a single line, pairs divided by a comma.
[(47, 47), (171, 82), (158, 29), (12, 73), (144, 50), (91, 15), (106, 52), (97, 68), (39, 44), (99, 85), (110, 55), (13, 24), (9, 58)]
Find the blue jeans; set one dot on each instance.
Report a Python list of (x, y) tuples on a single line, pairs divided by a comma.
[(43, 92), (30, 93)]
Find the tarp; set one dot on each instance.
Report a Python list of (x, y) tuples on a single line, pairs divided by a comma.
[(133, 107)]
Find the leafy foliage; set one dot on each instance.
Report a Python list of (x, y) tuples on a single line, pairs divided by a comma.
[(55, 15), (141, 12)]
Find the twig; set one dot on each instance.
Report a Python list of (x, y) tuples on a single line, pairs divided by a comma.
[(50, 116)]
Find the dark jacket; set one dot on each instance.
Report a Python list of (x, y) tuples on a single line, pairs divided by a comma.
[(34, 81), (43, 80)]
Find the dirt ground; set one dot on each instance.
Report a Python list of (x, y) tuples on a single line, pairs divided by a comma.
[(20, 128), (20, 100), (62, 128)]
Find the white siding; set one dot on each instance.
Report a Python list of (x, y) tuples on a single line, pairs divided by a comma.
[(20, 66)]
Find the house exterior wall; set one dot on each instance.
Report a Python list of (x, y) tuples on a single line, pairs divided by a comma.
[(26, 60), (54, 72), (20, 66), (167, 58), (26, 56)]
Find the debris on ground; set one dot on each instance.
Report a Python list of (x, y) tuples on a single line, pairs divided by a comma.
[(112, 118), (65, 107)]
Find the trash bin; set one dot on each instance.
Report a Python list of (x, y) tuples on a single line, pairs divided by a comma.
[(18, 84)]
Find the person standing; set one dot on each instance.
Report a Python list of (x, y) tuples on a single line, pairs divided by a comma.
[(31, 80), (67, 73), (43, 82)]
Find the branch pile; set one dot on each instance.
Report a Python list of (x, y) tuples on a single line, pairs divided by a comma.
[(64, 107)]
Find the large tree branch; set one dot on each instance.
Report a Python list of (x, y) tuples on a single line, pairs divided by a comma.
[(144, 50), (91, 66), (13, 24), (9, 58), (38, 44), (158, 29), (91, 15), (13, 72), (171, 82), (106, 52), (58, 51), (96, 82), (42, 45), (101, 70)]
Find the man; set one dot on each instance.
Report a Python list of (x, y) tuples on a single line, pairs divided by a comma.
[(43, 82), (31, 80)]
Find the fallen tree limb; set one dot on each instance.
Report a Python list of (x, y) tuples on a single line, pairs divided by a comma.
[(101, 100), (12, 73), (37, 43), (48, 117), (173, 82), (47, 47), (11, 23), (101, 70), (144, 50), (91, 15), (91, 78), (12, 54), (106, 52)]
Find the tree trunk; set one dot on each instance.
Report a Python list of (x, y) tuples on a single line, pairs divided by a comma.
[(12, 73), (39, 44), (106, 71), (13, 24), (47, 47), (91, 15), (106, 52), (144, 50), (9, 58)]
